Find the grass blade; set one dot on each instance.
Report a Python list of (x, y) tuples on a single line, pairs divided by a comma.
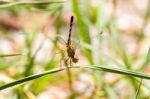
[(95, 67), (10, 4), (83, 29), (138, 90), (7, 55), (143, 67), (146, 62), (29, 78)]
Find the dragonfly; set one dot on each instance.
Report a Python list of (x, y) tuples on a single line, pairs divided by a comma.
[(70, 53), (69, 47)]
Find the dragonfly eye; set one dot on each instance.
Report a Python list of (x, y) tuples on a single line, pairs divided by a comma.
[(75, 60)]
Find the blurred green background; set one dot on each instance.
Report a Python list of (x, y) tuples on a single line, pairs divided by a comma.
[(111, 33)]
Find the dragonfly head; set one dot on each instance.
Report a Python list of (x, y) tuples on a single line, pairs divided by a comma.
[(75, 60)]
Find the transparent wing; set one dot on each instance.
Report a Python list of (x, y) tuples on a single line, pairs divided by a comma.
[(61, 43), (61, 40), (76, 43)]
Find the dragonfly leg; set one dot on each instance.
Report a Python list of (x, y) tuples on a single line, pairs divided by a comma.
[(70, 62), (66, 61)]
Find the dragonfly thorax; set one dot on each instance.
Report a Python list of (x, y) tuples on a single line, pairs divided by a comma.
[(70, 51)]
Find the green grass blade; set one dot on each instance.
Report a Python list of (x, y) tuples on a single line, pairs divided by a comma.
[(142, 68), (10, 4), (5, 65), (7, 55), (95, 67), (138, 90), (29, 78), (146, 62), (111, 92), (120, 71), (148, 57), (83, 26)]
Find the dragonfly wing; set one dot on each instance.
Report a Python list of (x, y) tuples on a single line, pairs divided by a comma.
[(61, 43), (61, 40), (76, 43)]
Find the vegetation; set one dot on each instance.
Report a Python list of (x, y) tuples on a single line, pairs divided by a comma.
[(110, 39)]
